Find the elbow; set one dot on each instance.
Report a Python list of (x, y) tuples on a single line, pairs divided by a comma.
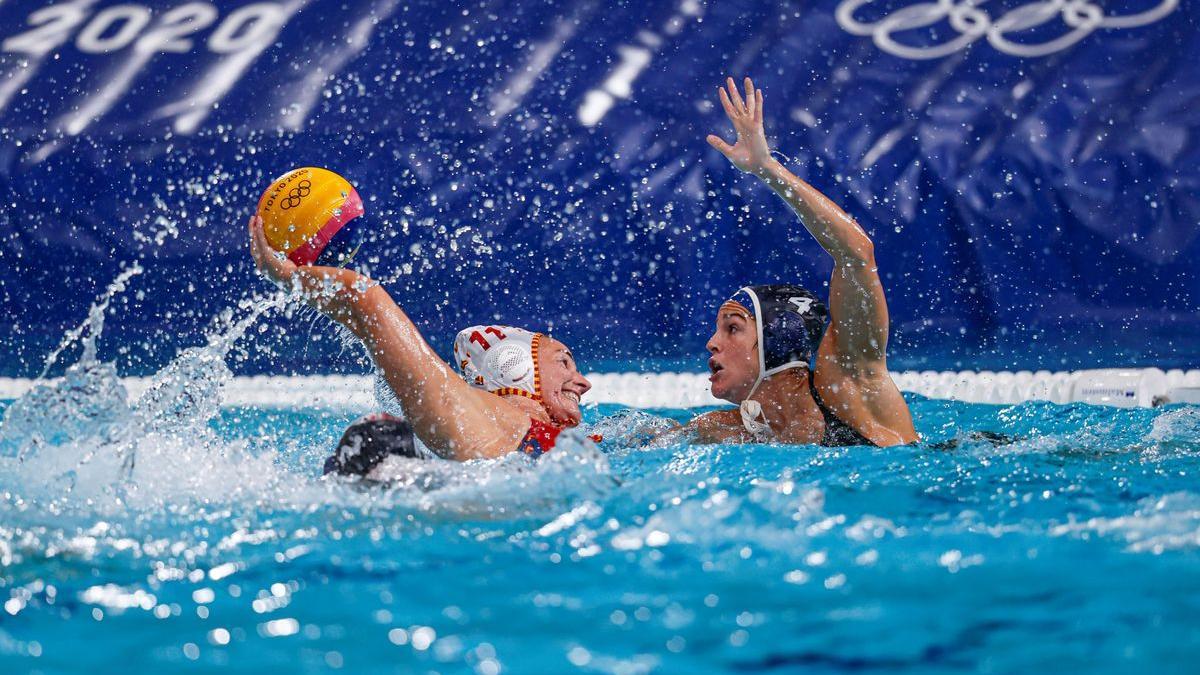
[(358, 309), (866, 250), (366, 296), (859, 253)]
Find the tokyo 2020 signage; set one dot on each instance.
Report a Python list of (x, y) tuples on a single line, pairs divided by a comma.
[(1027, 170)]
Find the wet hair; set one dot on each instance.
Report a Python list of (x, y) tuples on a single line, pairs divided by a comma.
[(368, 441)]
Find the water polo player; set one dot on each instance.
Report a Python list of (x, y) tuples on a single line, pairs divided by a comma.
[(802, 373), (524, 387)]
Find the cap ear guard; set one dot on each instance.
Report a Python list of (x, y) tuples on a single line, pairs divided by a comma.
[(500, 359)]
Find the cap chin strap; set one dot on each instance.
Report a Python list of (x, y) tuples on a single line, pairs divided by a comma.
[(752, 411)]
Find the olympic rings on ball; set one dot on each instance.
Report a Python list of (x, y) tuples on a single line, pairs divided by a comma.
[(296, 195)]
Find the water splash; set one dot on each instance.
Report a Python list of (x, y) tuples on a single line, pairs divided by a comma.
[(385, 397), (634, 428), (80, 433), (88, 401), (186, 393), (85, 446), (513, 486), (93, 325)]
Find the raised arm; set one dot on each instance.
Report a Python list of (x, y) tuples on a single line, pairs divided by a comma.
[(856, 301), (448, 415)]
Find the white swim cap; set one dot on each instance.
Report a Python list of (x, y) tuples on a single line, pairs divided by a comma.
[(500, 359)]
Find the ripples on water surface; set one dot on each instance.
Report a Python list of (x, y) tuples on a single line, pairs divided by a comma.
[(205, 538)]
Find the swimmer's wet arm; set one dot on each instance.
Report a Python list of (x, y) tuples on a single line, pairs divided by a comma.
[(455, 420), (832, 227), (860, 320), (856, 299), (448, 415), (717, 426)]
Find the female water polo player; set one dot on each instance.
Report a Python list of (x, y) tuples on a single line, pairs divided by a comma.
[(524, 387), (801, 373)]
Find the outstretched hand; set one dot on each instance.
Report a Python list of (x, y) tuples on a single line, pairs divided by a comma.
[(750, 152), (270, 262)]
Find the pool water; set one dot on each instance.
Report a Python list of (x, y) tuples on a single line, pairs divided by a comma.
[(198, 537)]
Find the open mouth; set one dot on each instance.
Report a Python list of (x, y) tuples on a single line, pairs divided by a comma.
[(571, 396), (714, 367)]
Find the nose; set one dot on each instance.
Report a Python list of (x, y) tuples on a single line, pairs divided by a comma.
[(587, 386), (711, 345)]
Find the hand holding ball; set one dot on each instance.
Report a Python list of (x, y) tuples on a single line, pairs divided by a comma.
[(306, 215)]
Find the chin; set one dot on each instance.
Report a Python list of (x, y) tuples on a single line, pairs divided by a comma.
[(722, 391), (728, 393), (568, 416)]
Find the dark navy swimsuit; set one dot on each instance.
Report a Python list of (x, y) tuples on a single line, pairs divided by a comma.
[(838, 434)]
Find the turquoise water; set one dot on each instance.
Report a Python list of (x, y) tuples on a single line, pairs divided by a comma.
[(196, 538)]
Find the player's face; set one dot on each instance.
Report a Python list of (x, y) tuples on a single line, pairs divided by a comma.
[(733, 366), (562, 385)]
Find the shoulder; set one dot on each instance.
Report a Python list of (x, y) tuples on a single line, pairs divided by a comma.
[(726, 416), (717, 426), (864, 397)]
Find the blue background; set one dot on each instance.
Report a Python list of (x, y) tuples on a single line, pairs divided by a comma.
[(1027, 211)]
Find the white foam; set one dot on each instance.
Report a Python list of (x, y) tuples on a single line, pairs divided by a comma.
[(1128, 387)]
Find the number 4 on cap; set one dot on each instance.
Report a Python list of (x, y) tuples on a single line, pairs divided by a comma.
[(802, 304)]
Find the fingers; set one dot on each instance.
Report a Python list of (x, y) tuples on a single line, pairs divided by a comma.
[(258, 239), (735, 96), (260, 249), (254, 230), (269, 261), (737, 107), (260, 233), (719, 144), (730, 111)]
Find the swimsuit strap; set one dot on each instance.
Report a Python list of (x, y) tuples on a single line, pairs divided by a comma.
[(837, 432)]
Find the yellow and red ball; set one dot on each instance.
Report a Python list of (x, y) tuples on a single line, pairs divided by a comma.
[(305, 215)]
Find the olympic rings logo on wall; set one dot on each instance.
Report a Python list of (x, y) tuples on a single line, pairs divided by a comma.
[(296, 195), (1082, 17)]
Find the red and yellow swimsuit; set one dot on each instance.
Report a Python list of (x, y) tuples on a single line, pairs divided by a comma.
[(542, 436)]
